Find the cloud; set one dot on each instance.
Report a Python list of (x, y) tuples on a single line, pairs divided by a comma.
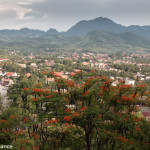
[(62, 14), (34, 15), (14, 14), (17, 8)]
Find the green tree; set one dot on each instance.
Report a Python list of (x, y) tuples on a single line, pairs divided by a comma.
[(87, 112)]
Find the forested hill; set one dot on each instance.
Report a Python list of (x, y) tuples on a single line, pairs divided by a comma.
[(100, 34), (98, 41), (85, 26), (81, 28)]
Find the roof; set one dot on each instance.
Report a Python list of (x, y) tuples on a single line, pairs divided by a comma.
[(64, 76), (58, 73), (49, 79), (28, 74), (10, 73)]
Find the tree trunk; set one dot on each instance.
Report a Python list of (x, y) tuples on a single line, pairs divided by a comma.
[(88, 143)]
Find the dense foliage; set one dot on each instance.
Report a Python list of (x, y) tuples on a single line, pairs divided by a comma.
[(95, 41), (84, 112)]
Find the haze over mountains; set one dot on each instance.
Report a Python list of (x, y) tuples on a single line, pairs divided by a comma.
[(99, 33)]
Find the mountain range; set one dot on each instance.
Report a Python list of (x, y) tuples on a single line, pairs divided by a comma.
[(97, 34), (86, 26)]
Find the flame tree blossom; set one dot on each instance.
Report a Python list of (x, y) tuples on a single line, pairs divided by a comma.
[(91, 114)]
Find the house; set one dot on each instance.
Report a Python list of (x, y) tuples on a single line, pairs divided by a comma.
[(1, 73), (101, 65), (7, 82), (72, 73), (77, 70), (112, 78), (60, 57), (33, 65), (48, 64), (115, 83), (58, 73), (49, 80), (85, 63), (1, 59), (147, 78), (28, 75), (64, 76), (140, 76), (67, 73), (129, 81), (22, 65), (13, 74), (113, 69)]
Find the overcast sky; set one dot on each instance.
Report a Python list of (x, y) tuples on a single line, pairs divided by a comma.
[(62, 14)]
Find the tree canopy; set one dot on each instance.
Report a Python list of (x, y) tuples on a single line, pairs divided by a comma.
[(83, 112)]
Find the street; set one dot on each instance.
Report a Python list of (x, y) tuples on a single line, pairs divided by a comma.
[(3, 92)]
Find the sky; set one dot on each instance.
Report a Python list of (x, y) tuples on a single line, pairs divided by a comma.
[(62, 14)]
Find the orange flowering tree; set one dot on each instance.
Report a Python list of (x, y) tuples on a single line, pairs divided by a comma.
[(86, 112)]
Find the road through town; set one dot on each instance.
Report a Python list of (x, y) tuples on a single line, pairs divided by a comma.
[(3, 92)]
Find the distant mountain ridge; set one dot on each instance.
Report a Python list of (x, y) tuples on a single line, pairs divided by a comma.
[(86, 26), (81, 28), (100, 34), (11, 35)]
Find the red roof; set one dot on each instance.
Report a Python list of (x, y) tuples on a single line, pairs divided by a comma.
[(58, 73), (28, 74), (10, 73), (72, 73)]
